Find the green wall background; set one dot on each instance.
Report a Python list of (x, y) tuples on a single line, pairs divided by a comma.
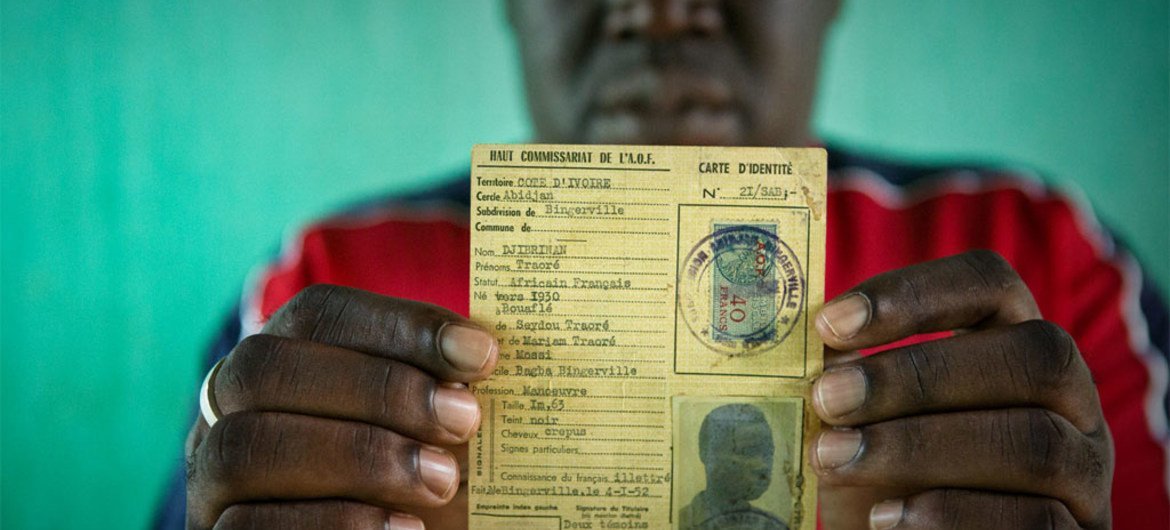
[(152, 151)]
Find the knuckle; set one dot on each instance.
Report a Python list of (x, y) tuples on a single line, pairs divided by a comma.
[(244, 373), (400, 392), (347, 515), (270, 515), (1041, 445), (1051, 452), (302, 314), (907, 293), (908, 440), (381, 459), (234, 447), (1100, 516), (1059, 342), (1053, 515), (993, 265), (391, 464), (1054, 358), (994, 272), (1097, 477), (328, 513), (1040, 513), (313, 296), (916, 374), (956, 508), (236, 516), (942, 508), (936, 504), (1058, 516), (200, 497), (258, 345)]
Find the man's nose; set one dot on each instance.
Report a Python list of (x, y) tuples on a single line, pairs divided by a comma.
[(663, 19)]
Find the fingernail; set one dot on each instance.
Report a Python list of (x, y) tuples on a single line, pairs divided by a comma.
[(467, 349), (456, 410), (846, 317), (840, 391), (402, 522), (837, 447), (886, 514), (437, 469)]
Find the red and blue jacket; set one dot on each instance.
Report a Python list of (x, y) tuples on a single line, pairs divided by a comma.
[(882, 216)]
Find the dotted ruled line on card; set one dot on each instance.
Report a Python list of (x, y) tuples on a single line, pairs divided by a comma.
[(615, 376), (623, 425), (630, 258), (653, 317), (636, 346), (574, 495), (616, 188), (613, 218), (621, 232), (591, 189), (554, 466), (585, 168), (611, 411), (616, 301), (629, 331), (558, 288), (623, 273), (580, 360), (606, 202), (591, 439), (515, 256), (623, 454)]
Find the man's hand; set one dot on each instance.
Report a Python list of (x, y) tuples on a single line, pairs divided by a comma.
[(996, 427), (347, 411)]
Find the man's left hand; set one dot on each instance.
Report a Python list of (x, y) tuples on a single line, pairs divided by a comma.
[(998, 426)]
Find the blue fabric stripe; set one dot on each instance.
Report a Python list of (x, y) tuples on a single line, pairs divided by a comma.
[(1157, 316)]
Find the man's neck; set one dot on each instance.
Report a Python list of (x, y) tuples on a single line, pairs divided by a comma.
[(714, 502)]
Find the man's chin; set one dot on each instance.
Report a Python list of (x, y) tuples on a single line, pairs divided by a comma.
[(692, 127)]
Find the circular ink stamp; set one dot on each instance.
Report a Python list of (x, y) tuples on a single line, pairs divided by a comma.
[(741, 289), (743, 520)]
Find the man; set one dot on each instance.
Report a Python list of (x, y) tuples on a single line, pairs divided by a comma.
[(347, 406), (736, 448)]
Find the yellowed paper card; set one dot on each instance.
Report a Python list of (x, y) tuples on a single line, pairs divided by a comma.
[(656, 347)]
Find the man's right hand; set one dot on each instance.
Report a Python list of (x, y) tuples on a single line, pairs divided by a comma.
[(348, 410)]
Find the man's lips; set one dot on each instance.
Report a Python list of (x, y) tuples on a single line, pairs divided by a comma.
[(693, 126), (661, 92), (665, 106)]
